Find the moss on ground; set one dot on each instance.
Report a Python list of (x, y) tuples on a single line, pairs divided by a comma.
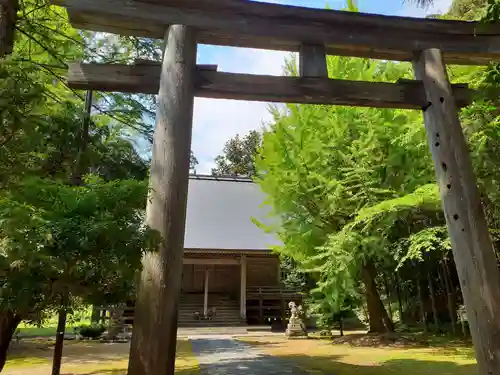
[(86, 358), (437, 357)]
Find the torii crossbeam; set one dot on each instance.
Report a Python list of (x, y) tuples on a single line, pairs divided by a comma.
[(428, 43)]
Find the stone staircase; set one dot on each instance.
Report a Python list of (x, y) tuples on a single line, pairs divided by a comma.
[(227, 311)]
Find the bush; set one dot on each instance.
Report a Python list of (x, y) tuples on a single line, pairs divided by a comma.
[(91, 332)]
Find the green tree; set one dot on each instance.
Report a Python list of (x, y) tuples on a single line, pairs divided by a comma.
[(60, 242), (238, 156), (41, 135), (355, 189), (320, 165)]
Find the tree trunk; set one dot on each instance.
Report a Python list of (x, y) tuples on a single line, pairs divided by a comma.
[(388, 296), (450, 298), (379, 320), (96, 314), (58, 349), (8, 20), (155, 324), (400, 303), (473, 251), (433, 300), (421, 302), (341, 324), (80, 163), (8, 325)]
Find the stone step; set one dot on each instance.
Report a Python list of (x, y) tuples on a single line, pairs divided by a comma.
[(218, 308), (218, 312), (216, 319), (187, 307), (194, 326), (200, 308), (211, 304)]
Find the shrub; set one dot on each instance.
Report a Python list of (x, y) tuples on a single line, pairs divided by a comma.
[(91, 332)]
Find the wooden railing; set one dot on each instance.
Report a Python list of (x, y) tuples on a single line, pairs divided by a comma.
[(265, 304), (268, 302), (272, 293)]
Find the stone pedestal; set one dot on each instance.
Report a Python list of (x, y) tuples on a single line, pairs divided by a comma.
[(295, 330), (295, 327)]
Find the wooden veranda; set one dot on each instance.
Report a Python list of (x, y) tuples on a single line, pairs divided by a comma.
[(428, 43)]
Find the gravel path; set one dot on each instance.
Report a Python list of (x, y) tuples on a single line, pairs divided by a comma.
[(226, 356)]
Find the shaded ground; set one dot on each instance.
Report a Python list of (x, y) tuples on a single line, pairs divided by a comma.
[(327, 357), (226, 356), (33, 357), (355, 354)]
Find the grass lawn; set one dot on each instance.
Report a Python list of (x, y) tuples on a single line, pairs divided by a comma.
[(49, 328), (34, 357), (323, 357)]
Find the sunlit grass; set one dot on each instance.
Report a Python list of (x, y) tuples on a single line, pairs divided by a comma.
[(323, 357), (49, 326), (90, 358)]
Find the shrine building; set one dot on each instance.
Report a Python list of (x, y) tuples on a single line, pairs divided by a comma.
[(230, 274)]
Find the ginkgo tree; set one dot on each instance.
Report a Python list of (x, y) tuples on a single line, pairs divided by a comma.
[(355, 190), (320, 165)]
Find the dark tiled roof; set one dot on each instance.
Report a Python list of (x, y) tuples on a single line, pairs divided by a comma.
[(220, 212)]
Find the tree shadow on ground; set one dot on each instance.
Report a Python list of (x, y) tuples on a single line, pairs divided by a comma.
[(333, 365), (120, 371), (37, 352), (224, 356), (83, 358)]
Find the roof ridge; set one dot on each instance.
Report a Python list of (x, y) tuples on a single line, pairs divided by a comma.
[(226, 178)]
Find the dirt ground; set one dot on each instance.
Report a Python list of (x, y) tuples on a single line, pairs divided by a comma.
[(34, 357), (372, 355)]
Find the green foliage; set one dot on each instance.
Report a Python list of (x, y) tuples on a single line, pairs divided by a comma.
[(471, 10), (91, 332), (492, 11), (82, 241), (238, 157), (418, 244), (292, 276), (356, 185), (327, 170)]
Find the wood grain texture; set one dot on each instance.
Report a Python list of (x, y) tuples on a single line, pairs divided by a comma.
[(243, 288), (8, 19), (211, 261), (261, 272), (155, 328), (219, 85), (157, 64), (377, 38), (472, 247), (359, 19), (312, 61)]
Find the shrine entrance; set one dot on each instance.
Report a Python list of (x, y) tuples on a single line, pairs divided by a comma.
[(314, 33)]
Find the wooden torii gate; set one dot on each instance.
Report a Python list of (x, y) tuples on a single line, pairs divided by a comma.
[(428, 43)]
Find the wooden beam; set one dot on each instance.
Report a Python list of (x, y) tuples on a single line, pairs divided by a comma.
[(312, 61), (155, 324), (218, 85), (157, 65), (211, 261), (472, 247), (358, 19), (243, 288), (205, 293), (255, 29)]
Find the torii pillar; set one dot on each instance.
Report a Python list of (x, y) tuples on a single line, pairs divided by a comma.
[(473, 250), (155, 324)]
